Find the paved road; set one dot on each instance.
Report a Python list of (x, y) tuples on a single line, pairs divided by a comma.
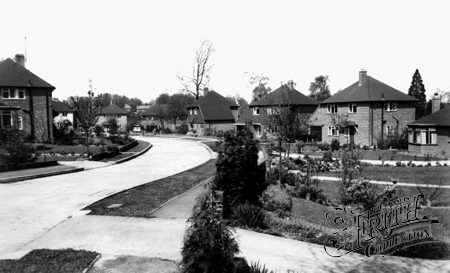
[(31, 208)]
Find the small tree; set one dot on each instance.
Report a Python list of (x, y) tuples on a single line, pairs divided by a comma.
[(13, 148), (113, 125), (260, 83), (340, 122), (88, 110)]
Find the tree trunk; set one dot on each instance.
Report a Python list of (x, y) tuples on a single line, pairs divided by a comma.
[(279, 163), (87, 144)]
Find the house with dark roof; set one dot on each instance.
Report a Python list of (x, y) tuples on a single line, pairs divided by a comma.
[(113, 111), (369, 109), (431, 134), (62, 113), (257, 114), (26, 99), (156, 118), (212, 113)]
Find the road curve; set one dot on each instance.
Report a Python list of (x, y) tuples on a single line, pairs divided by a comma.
[(30, 208)]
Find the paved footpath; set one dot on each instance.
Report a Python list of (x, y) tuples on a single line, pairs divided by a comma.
[(31, 208)]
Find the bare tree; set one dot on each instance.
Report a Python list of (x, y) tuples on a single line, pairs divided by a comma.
[(261, 88), (285, 121), (88, 110), (339, 121), (200, 70)]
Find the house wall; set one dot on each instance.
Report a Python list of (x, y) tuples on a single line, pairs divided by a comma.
[(41, 108), (367, 134), (217, 126), (121, 122), (442, 144)]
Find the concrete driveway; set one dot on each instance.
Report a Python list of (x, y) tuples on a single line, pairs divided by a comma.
[(31, 208)]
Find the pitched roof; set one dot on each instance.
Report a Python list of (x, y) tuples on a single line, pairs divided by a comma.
[(248, 116), (438, 118), (215, 107), (127, 106), (13, 74), (195, 119), (282, 95), (60, 107), (155, 110), (370, 90), (113, 109)]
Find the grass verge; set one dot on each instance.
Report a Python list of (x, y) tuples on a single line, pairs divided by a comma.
[(46, 260), (419, 175), (142, 200)]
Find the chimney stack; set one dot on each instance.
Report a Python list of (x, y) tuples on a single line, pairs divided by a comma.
[(436, 103), (205, 91), (362, 76), (20, 59), (291, 84)]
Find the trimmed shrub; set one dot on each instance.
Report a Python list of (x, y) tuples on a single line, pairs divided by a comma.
[(13, 148), (276, 199), (327, 157), (335, 145), (299, 145), (398, 164), (324, 146)]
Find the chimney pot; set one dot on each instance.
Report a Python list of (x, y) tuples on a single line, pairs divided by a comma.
[(20, 59), (205, 91), (291, 84), (436, 103), (362, 76)]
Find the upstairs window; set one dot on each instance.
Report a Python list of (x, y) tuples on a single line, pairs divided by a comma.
[(195, 111), (269, 111), (390, 106), (255, 110), (191, 112), (332, 108), (12, 93), (352, 108)]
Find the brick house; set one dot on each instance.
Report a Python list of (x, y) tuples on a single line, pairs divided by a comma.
[(257, 113), (63, 113), (25, 99), (113, 111), (372, 109), (431, 134), (212, 113), (155, 118)]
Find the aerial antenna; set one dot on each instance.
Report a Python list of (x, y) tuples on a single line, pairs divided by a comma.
[(25, 48), (90, 86)]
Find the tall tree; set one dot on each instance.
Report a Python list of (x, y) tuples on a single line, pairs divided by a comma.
[(417, 90), (201, 70), (163, 98), (319, 89), (260, 83), (177, 107), (88, 108)]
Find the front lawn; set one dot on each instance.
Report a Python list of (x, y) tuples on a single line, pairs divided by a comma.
[(46, 260), (142, 200), (419, 175)]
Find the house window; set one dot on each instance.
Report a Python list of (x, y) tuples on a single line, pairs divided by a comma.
[(13, 93), (352, 107), (119, 116), (195, 111), (64, 114), (332, 108), (5, 119), (429, 136), (410, 136), (255, 110), (269, 111), (390, 106), (191, 111), (390, 130), (346, 132), (417, 136), (20, 123), (332, 131)]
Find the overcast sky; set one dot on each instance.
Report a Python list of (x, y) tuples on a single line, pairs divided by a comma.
[(137, 48)]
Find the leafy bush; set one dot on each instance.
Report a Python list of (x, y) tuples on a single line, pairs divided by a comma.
[(327, 157), (335, 145), (398, 164), (365, 147), (324, 146), (249, 215), (299, 145), (238, 173), (167, 131), (259, 268), (275, 198), (112, 148), (182, 129), (13, 148), (428, 249), (286, 178), (359, 192), (209, 244)]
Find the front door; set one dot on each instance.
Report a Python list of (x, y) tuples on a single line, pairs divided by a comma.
[(351, 132)]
